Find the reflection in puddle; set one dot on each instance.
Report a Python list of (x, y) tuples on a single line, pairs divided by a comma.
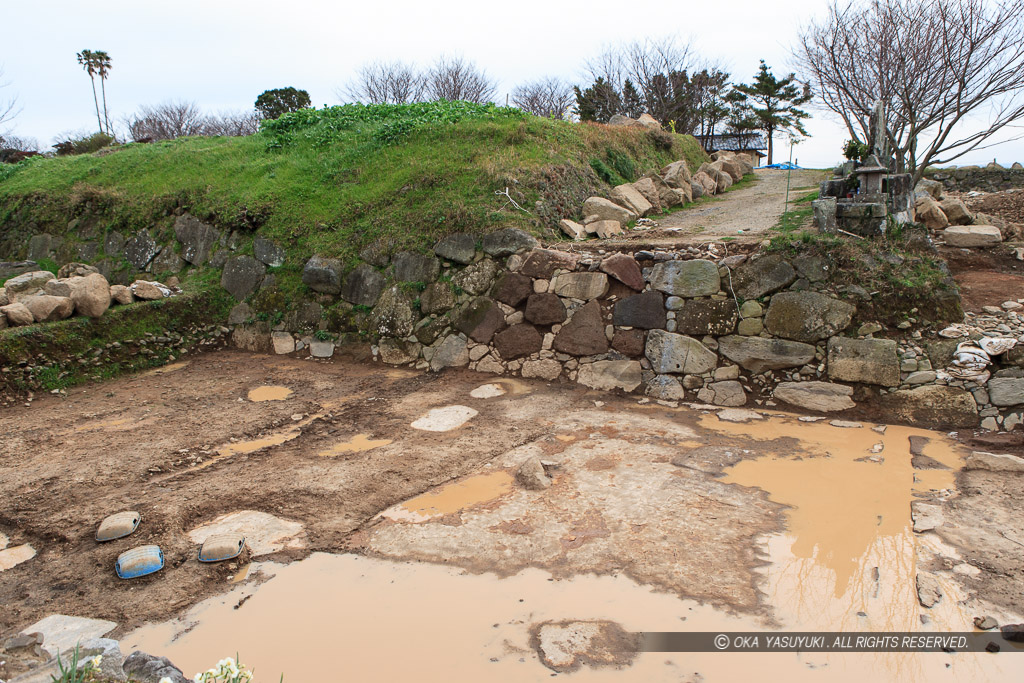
[(480, 488), (12, 557), (358, 444), (254, 445), (269, 393)]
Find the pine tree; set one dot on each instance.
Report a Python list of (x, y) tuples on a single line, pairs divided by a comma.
[(598, 103), (769, 104)]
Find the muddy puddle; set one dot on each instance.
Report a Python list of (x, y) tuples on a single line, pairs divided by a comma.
[(269, 393), (357, 444), (846, 561), (474, 490)]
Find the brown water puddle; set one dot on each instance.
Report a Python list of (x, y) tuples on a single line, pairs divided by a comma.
[(389, 621), (172, 367), (269, 393), (474, 490), (358, 444)]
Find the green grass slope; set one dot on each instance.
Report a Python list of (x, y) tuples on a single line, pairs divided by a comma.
[(336, 179)]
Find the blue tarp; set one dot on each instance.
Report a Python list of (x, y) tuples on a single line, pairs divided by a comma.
[(785, 166)]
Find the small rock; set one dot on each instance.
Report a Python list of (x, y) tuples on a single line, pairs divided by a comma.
[(531, 475)]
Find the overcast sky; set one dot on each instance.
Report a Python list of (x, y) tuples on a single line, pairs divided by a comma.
[(223, 53)]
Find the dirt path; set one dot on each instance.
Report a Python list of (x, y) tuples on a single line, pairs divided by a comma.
[(743, 215)]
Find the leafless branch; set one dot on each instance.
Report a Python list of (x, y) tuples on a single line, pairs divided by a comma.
[(455, 78), (547, 97), (950, 71), (384, 83)]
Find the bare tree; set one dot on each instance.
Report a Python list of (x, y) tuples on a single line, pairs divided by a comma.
[(8, 107), (658, 70), (547, 97), (950, 72), (166, 121), (232, 124), (455, 78), (384, 83)]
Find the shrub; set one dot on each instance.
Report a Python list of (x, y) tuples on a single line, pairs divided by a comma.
[(84, 144)]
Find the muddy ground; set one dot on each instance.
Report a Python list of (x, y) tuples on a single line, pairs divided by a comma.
[(150, 443), (145, 443)]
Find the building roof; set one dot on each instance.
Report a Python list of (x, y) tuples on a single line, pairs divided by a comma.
[(737, 142)]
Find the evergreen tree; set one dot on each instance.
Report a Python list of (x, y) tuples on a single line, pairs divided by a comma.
[(769, 104), (598, 103), (632, 104), (271, 104)]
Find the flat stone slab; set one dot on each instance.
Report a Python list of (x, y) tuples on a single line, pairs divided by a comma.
[(444, 419), (264, 533), (12, 557), (822, 396), (488, 391), (62, 632)]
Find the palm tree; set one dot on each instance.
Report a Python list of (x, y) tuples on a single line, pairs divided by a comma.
[(87, 58), (103, 67)]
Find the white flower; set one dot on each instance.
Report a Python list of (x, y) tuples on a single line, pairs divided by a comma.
[(96, 661), (165, 679), (199, 677)]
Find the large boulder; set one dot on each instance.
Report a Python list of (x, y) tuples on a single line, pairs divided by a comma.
[(140, 250), (869, 361), (507, 242), (458, 247), (807, 316), (583, 286), (928, 188), (267, 252), (647, 188), (824, 397), (607, 375), (645, 311), (542, 263), (930, 214), (17, 314), (671, 353), (120, 294), (972, 236), (410, 267), (727, 393), (477, 278), (323, 274), (676, 174), (625, 269), (758, 354), (607, 210), (197, 238), (956, 211), (393, 316), (626, 195), (933, 406), (518, 341), (1006, 391), (707, 317), (731, 167), (46, 308), (584, 334), (450, 353), (707, 183), (438, 297), (242, 275), (480, 319), (27, 284), (363, 286), (762, 276), (145, 668), (686, 278), (512, 289), (545, 309), (91, 294)]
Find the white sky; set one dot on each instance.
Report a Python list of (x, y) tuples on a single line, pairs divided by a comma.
[(223, 53)]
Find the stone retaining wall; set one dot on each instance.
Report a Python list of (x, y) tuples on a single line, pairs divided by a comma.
[(675, 326), (989, 179)]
